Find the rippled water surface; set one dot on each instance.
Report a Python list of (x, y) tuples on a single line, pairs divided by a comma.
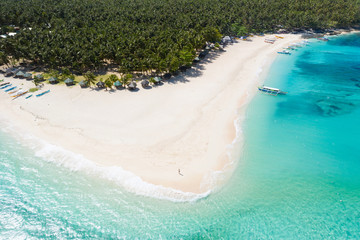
[(298, 176)]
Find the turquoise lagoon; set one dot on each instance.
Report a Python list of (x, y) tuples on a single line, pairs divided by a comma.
[(298, 176)]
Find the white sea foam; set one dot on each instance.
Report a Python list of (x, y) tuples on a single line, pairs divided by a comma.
[(77, 162), (129, 181)]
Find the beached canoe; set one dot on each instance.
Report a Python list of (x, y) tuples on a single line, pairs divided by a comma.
[(41, 94), (20, 94), (8, 90), (6, 86)]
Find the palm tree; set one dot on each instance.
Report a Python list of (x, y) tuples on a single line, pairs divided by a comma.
[(126, 79), (113, 78), (108, 83), (90, 78)]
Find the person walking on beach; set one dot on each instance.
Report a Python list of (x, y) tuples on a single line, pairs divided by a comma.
[(180, 172)]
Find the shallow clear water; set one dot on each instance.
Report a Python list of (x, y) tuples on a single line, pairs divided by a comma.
[(298, 176)]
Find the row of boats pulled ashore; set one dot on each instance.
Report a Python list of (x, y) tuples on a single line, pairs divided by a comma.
[(286, 51), (17, 92), (293, 47)]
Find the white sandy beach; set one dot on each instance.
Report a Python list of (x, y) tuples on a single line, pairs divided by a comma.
[(187, 123)]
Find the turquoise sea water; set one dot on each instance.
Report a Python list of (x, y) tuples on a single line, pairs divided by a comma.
[(298, 176)]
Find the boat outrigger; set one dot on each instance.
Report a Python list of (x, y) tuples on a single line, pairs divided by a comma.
[(270, 40), (271, 91)]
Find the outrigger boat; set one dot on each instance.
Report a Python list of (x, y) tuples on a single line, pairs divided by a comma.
[(20, 94), (8, 90), (40, 94), (16, 90), (13, 93), (28, 96), (279, 37), (325, 39), (9, 85), (4, 84), (271, 91), (267, 40), (285, 52)]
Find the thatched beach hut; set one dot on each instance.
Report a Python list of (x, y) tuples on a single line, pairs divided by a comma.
[(132, 85), (157, 80), (83, 84), (39, 77), (19, 74), (28, 76), (69, 82), (53, 80), (118, 84), (100, 85), (145, 83)]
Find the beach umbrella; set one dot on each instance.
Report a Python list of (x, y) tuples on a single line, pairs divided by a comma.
[(83, 84), (118, 84), (145, 83), (69, 82), (53, 80), (132, 85)]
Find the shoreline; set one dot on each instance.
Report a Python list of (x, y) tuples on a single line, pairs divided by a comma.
[(153, 133)]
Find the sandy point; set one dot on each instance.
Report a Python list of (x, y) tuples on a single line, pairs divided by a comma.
[(186, 124)]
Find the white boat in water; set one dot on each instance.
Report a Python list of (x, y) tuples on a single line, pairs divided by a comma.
[(271, 91)]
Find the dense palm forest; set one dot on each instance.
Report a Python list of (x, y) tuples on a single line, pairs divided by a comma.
[(142, 35)]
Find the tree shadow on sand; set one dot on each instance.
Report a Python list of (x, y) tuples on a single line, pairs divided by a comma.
[(196, 69)]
